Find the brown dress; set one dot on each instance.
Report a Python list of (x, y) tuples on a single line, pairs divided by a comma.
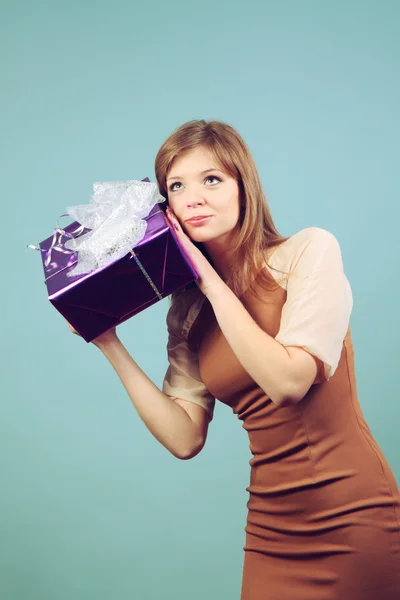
[(323, 514), (324, 507)]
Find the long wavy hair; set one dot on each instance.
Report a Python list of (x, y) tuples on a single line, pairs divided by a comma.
[(258, 233)]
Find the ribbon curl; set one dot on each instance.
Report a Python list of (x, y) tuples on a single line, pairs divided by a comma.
[(58, 245)]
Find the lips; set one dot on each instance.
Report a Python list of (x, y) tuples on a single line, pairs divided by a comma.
[(194, 219)]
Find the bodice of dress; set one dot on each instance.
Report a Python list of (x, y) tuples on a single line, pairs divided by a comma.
[(310, 308)]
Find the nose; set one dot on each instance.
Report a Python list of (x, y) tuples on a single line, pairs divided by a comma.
[(195, 202), (195, 198)]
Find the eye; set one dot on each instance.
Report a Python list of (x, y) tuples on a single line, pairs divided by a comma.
[(216, 179), (172, 186)]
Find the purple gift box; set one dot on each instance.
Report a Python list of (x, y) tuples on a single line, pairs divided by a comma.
[(95, 302)]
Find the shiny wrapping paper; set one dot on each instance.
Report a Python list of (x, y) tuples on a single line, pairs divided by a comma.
[(95, 302)]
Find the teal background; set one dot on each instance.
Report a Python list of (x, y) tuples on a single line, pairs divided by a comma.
[(91, 505)]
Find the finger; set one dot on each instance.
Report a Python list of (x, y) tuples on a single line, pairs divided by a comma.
[(72, 329), (173, 220)]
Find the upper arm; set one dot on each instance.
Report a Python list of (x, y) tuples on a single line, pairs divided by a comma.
[(182, 381), (307, 369), (315, 317), (200, 419)]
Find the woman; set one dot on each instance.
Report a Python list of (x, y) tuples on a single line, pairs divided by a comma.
[(265, 329)]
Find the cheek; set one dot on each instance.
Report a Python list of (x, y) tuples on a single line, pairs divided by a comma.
[(175, 208), (171, 203), (232, 205)]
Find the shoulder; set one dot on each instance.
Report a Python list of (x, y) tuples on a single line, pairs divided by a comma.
[(306, 250), (311, 239), (183, 311), (316, 236)]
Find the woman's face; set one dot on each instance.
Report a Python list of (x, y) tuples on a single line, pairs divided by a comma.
[(197, 187)]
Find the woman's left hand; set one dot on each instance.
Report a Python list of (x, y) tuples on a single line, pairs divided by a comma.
[(208, 279)]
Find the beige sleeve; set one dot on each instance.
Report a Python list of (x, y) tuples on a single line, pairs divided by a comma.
[(182, 379), (319, 300)]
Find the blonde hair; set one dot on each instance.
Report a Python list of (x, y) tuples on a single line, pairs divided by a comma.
[(257, 230)]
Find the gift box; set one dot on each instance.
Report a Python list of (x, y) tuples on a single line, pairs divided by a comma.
[(98, 300)]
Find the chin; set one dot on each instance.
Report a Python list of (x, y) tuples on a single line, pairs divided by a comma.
[(201, 237)]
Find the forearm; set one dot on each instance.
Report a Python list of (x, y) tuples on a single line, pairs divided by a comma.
[(264, 359), (167, 421)]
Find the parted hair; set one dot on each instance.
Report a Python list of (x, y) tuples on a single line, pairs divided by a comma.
[(257, 230)]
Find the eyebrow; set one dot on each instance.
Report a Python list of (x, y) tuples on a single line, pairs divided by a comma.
[(202, 173)]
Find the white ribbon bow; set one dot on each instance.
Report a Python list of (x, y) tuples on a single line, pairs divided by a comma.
[(115, 217)]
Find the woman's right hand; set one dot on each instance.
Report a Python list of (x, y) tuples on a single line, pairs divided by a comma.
[(104, 338)]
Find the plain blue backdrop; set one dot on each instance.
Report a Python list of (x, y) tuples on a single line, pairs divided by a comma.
[(92, 506)]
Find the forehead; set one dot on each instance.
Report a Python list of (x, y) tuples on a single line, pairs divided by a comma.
[(192, 162)]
